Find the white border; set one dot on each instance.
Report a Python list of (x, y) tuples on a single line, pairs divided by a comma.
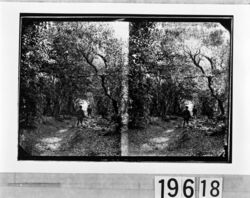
[(9, 46)]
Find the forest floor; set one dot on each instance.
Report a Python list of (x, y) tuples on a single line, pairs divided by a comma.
[(170, 138), (64, 138), (159, 138)]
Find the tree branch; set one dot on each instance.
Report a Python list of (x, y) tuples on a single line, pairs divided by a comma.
[(102, 78), (197, 63), (210, 61), (104, 60)]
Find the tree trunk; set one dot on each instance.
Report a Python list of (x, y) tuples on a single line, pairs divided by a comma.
[(70, 105), (220, 102), (47, 110), (124, 98), (209, 79), (56, 109), (124, 110), (221, 106)]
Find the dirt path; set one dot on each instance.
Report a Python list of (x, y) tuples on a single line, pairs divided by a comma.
[(159, 138), (66, 139), (53, 145), (171, 139)]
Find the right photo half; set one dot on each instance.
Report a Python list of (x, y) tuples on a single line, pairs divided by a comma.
[(180, 88)]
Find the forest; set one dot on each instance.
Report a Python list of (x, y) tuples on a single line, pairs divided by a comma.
[(144, 88)]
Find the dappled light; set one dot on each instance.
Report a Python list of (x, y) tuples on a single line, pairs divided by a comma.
[(125, 88)]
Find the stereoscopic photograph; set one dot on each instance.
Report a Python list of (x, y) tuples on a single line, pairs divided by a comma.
[(132, 87)]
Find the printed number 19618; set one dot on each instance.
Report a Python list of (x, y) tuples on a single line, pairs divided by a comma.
[(185, 187)]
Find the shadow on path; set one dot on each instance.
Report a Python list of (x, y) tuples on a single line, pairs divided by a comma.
[(171, 139), (66, 139)]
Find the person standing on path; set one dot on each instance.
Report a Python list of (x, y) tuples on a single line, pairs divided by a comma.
[(80, 116), (194, 112), (186, 116), (89, 110)]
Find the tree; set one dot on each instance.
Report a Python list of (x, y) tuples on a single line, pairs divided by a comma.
[(31, 59), (139, 48), (104, 54), (69, 60), (211, 58), (173, 62)]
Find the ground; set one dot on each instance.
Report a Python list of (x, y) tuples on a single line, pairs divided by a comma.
[(170, 138), (95, 138), (64, 138)]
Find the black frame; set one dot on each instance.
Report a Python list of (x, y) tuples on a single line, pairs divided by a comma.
[(225, 20)]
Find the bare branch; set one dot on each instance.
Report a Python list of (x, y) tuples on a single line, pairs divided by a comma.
[(210, 61), (104, 59), (197, 63), (89, 60)]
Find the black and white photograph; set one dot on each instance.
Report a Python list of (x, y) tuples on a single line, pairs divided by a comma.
[(127, 99), (125, 87)]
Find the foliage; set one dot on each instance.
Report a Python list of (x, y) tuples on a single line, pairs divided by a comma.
[(168, 64), (184, 61), (63, 61), (139, 52)]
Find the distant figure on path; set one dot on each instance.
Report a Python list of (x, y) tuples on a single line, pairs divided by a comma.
[(89, 110), (80, 116), (186, 116), (194, 112)]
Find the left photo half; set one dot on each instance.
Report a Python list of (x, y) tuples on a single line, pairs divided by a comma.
[(72, 87)]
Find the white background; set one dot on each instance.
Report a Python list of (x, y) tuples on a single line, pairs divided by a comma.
[(9, 46)]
